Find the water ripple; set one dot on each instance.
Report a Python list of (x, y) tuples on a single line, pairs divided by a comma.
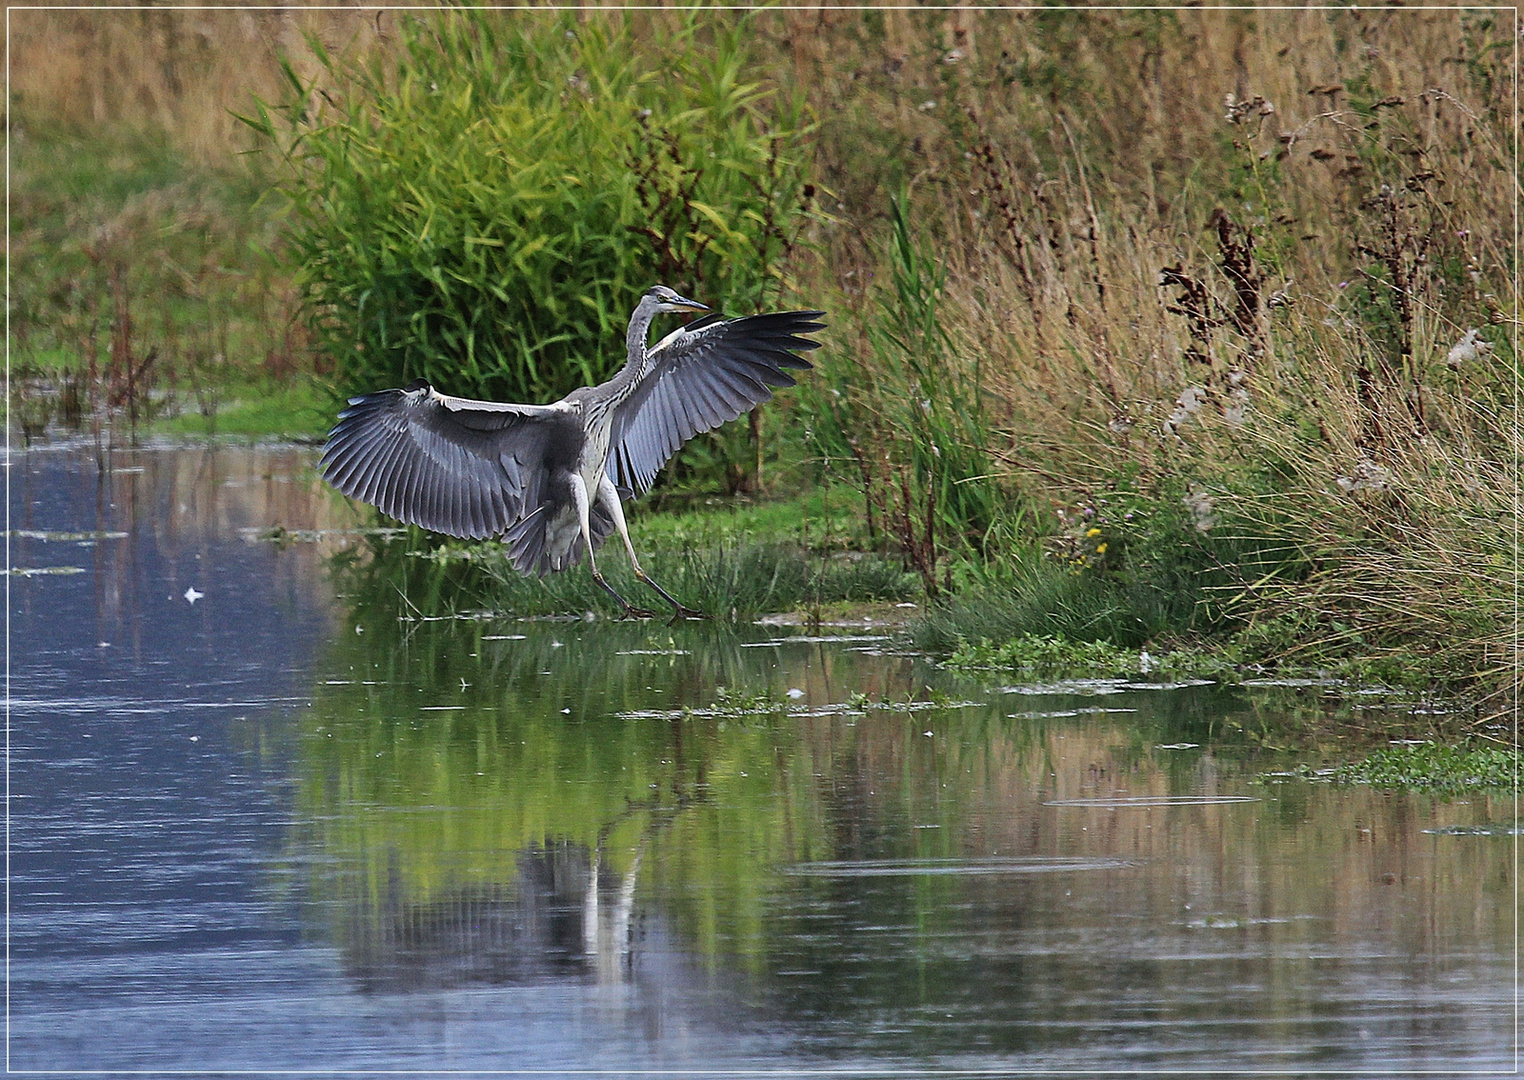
[(1156, 800), (1035, 864)]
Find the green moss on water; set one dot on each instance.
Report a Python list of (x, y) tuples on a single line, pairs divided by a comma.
[(1227, 660)]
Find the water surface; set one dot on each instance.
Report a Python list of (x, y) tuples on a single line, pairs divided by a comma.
[(268, 814)]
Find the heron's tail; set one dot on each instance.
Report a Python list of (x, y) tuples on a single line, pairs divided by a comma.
[(526, 541)]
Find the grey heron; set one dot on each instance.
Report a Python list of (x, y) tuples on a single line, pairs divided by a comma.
[(550, 478)]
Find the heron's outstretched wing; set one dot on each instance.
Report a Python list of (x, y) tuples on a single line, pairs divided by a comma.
[(456, 466), (705, 373)]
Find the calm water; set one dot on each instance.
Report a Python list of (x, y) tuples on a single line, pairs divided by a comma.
[(276, 826)]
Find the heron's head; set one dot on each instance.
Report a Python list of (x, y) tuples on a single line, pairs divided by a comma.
[(667, 300)]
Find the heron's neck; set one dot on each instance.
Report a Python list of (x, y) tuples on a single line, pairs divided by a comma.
[(640, 329)]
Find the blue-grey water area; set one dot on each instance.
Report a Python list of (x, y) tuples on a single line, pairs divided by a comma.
[(269, 810)]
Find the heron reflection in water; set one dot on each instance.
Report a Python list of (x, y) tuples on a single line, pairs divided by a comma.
[(550, 478)]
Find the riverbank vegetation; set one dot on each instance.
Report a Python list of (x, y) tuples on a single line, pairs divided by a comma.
[(143, 291), (1149, 329)]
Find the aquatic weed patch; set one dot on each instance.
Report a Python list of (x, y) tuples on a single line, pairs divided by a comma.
[(1435, 768), (1397, 679), (732, 704), (1046, 656)]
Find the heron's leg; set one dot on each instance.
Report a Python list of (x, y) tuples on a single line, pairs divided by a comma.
[(608, 495), (579, 496)]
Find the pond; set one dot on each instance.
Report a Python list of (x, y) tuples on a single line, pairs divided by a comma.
[(266, 813)]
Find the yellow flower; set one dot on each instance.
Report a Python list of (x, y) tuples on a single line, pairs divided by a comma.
[(1093, 532), (1100, 549)]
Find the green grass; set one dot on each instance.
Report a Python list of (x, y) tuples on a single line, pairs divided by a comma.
[(1044, 596), (51, 361), (821, 518), (116, 219), (727, 580), (299, 409)]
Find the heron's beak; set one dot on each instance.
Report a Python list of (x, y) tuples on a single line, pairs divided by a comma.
[(684, 304)]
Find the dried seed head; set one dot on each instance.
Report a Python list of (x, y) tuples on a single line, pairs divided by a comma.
[(1187, 405), (1239, 111), (1471, 346), (1202, 507), (1368, 478)]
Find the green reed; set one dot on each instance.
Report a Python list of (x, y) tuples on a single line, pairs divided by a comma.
[(483, 205)]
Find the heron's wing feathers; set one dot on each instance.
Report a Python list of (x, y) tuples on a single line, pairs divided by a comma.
[(484, 414), (465, 468), (706, 373)]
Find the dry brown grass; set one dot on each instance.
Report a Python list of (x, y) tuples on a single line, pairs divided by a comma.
[(1409, 538), (186, 72), (1114, 240)]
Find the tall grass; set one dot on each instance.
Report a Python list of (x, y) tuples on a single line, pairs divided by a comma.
[(483, 205), (1238, 290), (910, 426), (726, 579), (1407, 535)]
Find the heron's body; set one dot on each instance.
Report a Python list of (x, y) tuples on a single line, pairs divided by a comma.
[(550, 478)]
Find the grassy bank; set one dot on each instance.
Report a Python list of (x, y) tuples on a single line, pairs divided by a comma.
[(730, 561), (1169, 331), (145, 292), (1241, 377)]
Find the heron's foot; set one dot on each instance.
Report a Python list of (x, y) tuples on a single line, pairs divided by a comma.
[(630, 611), (679, 610)]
